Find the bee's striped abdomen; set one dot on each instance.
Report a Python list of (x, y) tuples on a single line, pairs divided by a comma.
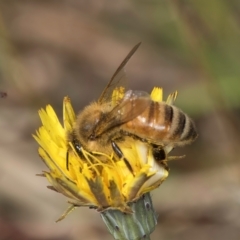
[(162, 124)]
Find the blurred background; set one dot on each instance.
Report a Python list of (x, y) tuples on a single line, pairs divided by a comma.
[(53, 48)]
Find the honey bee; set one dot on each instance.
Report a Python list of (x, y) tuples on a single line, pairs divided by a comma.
[(101, 125)]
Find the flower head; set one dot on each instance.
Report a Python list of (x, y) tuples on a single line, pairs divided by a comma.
[(97, 180)]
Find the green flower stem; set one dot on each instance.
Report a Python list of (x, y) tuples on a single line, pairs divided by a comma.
[(136, 226)]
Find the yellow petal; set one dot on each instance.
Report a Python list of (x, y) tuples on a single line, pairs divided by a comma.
[(157, 94), (98, 180), (117, 95), (68, 114), (171, 98)]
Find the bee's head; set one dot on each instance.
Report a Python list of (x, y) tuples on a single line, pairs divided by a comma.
[(89, 125), (87, 121)]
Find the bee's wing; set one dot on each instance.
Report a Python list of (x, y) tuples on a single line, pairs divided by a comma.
[(131, 106), (117, 77)]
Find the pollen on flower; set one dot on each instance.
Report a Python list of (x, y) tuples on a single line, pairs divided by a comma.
[(96, 180)]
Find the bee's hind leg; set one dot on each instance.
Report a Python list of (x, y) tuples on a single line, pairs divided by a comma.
[(158, 153)]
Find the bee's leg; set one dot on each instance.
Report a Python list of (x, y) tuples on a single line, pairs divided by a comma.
[(175, 157), (117, 150), (158, 153), (78, 149), (120, 155), (160, 156)]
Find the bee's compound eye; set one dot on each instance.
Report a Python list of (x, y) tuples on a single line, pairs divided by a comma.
[(159, 154)]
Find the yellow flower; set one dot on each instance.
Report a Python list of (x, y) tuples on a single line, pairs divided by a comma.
[(88, 181)]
